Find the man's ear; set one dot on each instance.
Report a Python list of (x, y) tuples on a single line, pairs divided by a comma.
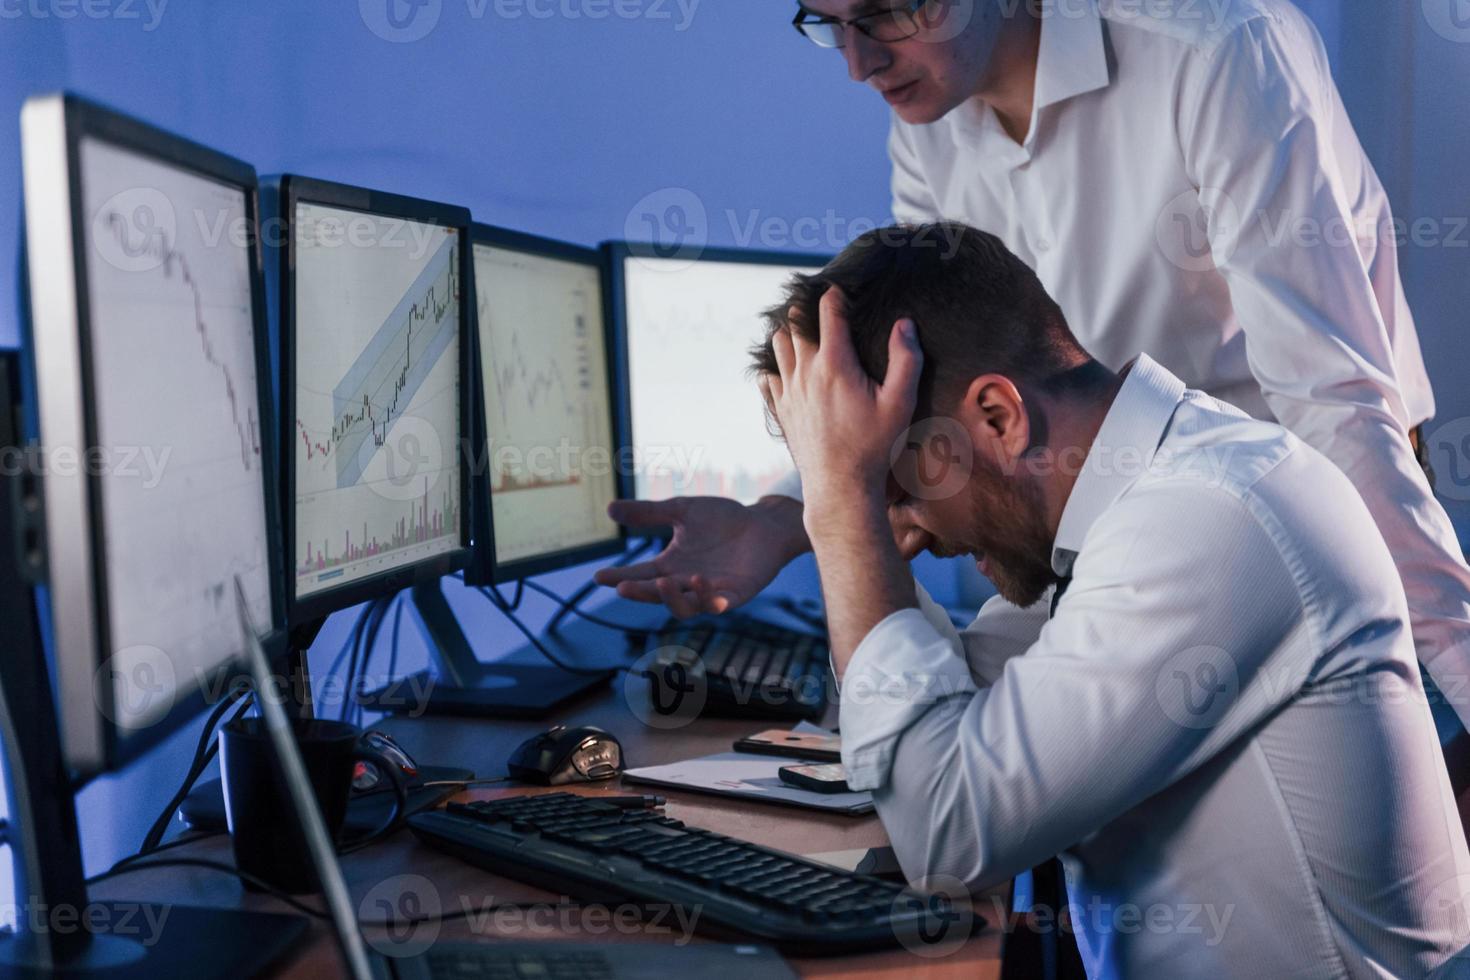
[(994, 413), (773, 422)]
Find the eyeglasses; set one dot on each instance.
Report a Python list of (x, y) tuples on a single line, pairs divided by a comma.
[(885, 26)]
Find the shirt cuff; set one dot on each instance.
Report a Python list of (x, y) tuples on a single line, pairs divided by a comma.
[(901, 669)]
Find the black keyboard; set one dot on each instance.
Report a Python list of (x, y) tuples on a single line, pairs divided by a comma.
[(551, 960), (749, 669), (598, 851)]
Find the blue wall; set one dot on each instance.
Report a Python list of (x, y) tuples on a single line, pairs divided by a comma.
[(577, 127)]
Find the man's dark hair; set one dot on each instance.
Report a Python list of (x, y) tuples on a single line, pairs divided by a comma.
[(979, 310)]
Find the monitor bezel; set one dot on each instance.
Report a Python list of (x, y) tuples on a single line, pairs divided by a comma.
[(296, 189), (64, 375), (485, 569), (616, 254)]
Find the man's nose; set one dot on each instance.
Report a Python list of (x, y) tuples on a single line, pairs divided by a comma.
[(911, 539), (865, 56)]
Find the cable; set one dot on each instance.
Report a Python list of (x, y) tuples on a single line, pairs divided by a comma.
[(300, 906), (176, 842), (357, 635), (347, 643), (203, 753), (630, 552), (499, 601), (571, 607), (211, 865), (515, 603), (393, 649), (358, 669)]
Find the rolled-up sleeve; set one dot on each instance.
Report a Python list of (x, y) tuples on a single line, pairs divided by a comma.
[(902, 668)]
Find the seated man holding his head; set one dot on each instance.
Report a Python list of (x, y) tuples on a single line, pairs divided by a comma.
[(1207, 701)]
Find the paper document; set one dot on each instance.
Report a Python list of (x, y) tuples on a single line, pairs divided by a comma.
[(749, 776)]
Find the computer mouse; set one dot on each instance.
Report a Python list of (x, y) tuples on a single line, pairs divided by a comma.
[(365, 775), (567, 755)]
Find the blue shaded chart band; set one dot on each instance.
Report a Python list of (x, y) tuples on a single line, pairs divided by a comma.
[(394, 365)]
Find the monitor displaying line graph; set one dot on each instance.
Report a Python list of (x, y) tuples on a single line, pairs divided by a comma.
[(376, 438), (699, 421), (548, 408), (175, 399)]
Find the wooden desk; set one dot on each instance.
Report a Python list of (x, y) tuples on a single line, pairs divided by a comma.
[(406, 875)]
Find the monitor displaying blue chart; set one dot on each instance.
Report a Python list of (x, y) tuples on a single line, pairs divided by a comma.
[(376, 431)]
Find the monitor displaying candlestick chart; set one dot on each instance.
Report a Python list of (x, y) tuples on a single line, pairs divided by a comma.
[(378, 310), (146, 337), (698, 419), (548, 407)]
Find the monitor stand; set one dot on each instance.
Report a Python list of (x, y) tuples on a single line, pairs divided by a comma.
[(463, 685), (60, 931)]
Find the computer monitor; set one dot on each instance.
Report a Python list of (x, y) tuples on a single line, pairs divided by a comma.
[(148, 345), (144, 512), (375, 362), (686, 325), (547, 406)]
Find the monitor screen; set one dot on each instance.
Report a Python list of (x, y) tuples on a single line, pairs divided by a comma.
[(548, 403), (173, 370), (146, 340), (698, 419), (376, 428)]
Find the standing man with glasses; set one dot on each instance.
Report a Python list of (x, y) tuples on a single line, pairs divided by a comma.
[(1184, 179)]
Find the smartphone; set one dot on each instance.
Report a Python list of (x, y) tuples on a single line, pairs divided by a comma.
[(793, 745), (828, 778)]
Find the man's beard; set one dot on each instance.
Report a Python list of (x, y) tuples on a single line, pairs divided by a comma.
[(1011, 531)]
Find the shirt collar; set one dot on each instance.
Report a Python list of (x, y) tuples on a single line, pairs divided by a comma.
[(1072, 59), (1121, 453)]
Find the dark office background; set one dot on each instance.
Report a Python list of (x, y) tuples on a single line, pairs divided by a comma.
[(578, 127)]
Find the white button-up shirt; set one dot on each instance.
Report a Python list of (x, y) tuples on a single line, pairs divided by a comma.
[(1222, 729), (1191, 188)]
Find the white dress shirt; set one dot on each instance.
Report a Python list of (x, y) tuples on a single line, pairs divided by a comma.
[(1191, 188), (1222, 730)]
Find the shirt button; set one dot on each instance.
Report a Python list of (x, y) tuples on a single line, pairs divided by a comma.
[(1043, 245)]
